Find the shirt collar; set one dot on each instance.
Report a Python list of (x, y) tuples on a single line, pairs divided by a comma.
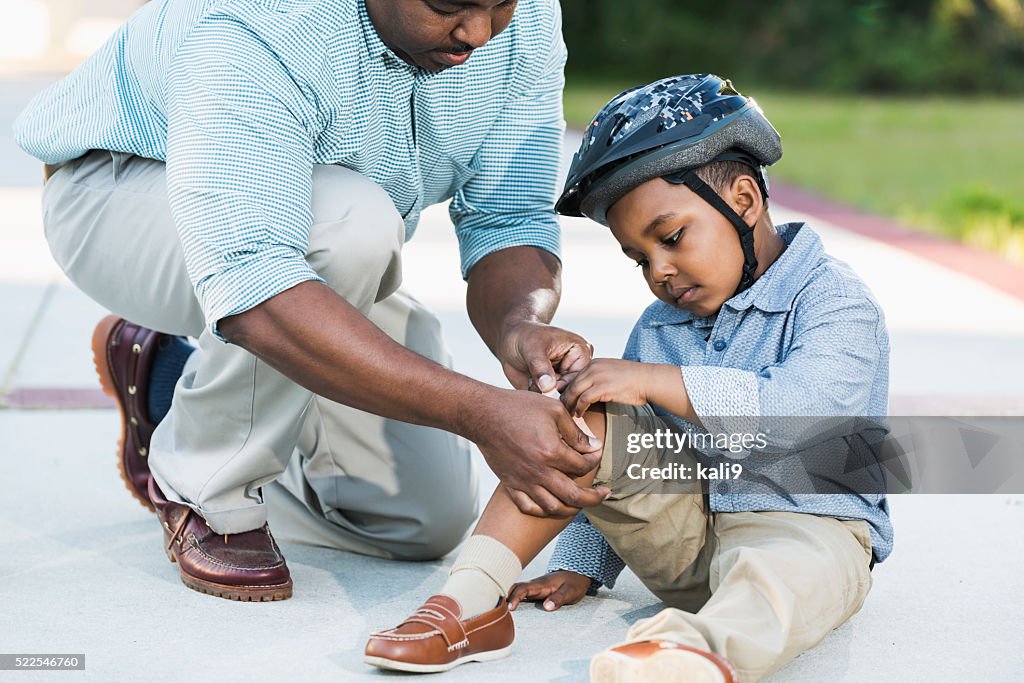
[(375, 47), (776, 289), (773, 292)]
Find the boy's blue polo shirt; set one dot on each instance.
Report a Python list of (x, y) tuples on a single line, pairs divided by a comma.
[(806, 339), (242, 97)]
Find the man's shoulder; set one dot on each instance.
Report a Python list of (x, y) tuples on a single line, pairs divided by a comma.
[(532, 39), (296, 22), (289, 31), (539, 13), (284, 46), (320, 14)]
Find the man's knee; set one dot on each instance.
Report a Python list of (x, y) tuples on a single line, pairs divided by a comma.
[(109, 227), (356, 237), (412, 325), (441, 524)]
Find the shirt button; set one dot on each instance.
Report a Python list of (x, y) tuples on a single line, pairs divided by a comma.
[(720, 345), (722, 487)]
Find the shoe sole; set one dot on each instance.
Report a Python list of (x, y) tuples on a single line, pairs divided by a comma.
[(667, 665), (395, 665), (272, 593), (100, 340)]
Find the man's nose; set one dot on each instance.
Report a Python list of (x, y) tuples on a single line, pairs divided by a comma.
[(475, 29)]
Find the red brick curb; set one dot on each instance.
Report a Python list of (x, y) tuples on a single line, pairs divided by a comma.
[(985, 266), (56, 398)]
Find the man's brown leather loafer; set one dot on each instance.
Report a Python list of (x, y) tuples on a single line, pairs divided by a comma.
[(123, 354), (247, 566), (435, 638), (660, 660)]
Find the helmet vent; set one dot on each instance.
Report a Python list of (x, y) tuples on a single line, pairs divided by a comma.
[(674, 124)]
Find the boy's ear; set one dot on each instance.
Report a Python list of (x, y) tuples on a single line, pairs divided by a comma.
[(745, 199)]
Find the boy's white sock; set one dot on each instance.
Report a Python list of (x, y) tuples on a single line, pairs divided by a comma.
[(483, 572)]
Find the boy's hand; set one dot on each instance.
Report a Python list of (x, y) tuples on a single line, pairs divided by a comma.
[(555, 589), (607, 379)]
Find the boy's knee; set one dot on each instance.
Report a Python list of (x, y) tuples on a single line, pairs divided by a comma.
[(356, 237)]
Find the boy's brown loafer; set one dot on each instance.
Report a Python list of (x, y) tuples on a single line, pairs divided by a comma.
[(247, 566), (660, 660), (123, 354), (435, 638)]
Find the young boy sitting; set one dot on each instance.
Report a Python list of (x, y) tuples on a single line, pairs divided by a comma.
[(751, 321)]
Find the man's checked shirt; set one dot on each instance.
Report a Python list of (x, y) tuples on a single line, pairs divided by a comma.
[(242, 97)]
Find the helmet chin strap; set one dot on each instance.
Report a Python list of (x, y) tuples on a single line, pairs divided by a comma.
[(691, 180)]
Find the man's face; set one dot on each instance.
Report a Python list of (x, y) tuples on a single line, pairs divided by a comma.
[(438, 34), (689, 252)]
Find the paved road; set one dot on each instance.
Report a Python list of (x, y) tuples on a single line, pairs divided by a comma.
[(81, 568)]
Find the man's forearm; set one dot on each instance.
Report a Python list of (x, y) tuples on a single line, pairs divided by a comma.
[(319, 340), (510, 286)]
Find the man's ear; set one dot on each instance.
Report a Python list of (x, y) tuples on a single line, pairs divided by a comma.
[(745, 199)]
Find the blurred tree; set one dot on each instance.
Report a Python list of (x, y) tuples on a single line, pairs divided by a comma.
[(845, 45)]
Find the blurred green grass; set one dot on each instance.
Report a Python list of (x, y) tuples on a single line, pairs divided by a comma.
[(949, 166)]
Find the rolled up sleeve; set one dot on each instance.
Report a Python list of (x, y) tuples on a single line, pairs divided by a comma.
[(510, 201), (239, 168), (725, 399), (582, 549)]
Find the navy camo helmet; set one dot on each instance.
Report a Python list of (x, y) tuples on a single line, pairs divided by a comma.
[(667, 129)]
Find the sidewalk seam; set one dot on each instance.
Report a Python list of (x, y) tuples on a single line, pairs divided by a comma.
[(30, 331)]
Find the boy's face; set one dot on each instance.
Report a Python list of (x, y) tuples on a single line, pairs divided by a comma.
[(689, 252)]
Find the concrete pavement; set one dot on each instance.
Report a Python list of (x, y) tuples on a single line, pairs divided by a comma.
[(82, 571)]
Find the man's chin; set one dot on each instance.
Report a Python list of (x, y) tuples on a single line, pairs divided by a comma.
[(427, 64), (438, 60)]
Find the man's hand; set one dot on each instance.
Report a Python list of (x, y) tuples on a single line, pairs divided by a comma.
[(529, 441), (535, 354), (511, 296), (536, 449), (555, 589), (606, 379)]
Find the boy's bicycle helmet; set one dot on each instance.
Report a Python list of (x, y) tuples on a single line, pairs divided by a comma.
[(667, 129)]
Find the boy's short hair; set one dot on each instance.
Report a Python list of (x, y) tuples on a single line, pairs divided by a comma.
[(721, 174)]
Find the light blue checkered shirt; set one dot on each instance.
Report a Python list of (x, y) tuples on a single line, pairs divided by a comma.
[(243, 97), (807, 338)]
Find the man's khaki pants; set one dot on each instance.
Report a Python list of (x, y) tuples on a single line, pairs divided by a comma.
[(242, 440), (758, 588)]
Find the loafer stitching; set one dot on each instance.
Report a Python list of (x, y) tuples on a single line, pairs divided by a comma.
[(268, 586), (195, 544), (489, 623), (388, 635), (409, 636)]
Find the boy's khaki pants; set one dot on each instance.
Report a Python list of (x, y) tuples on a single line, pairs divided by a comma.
[(239, 431), (758, 588)]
